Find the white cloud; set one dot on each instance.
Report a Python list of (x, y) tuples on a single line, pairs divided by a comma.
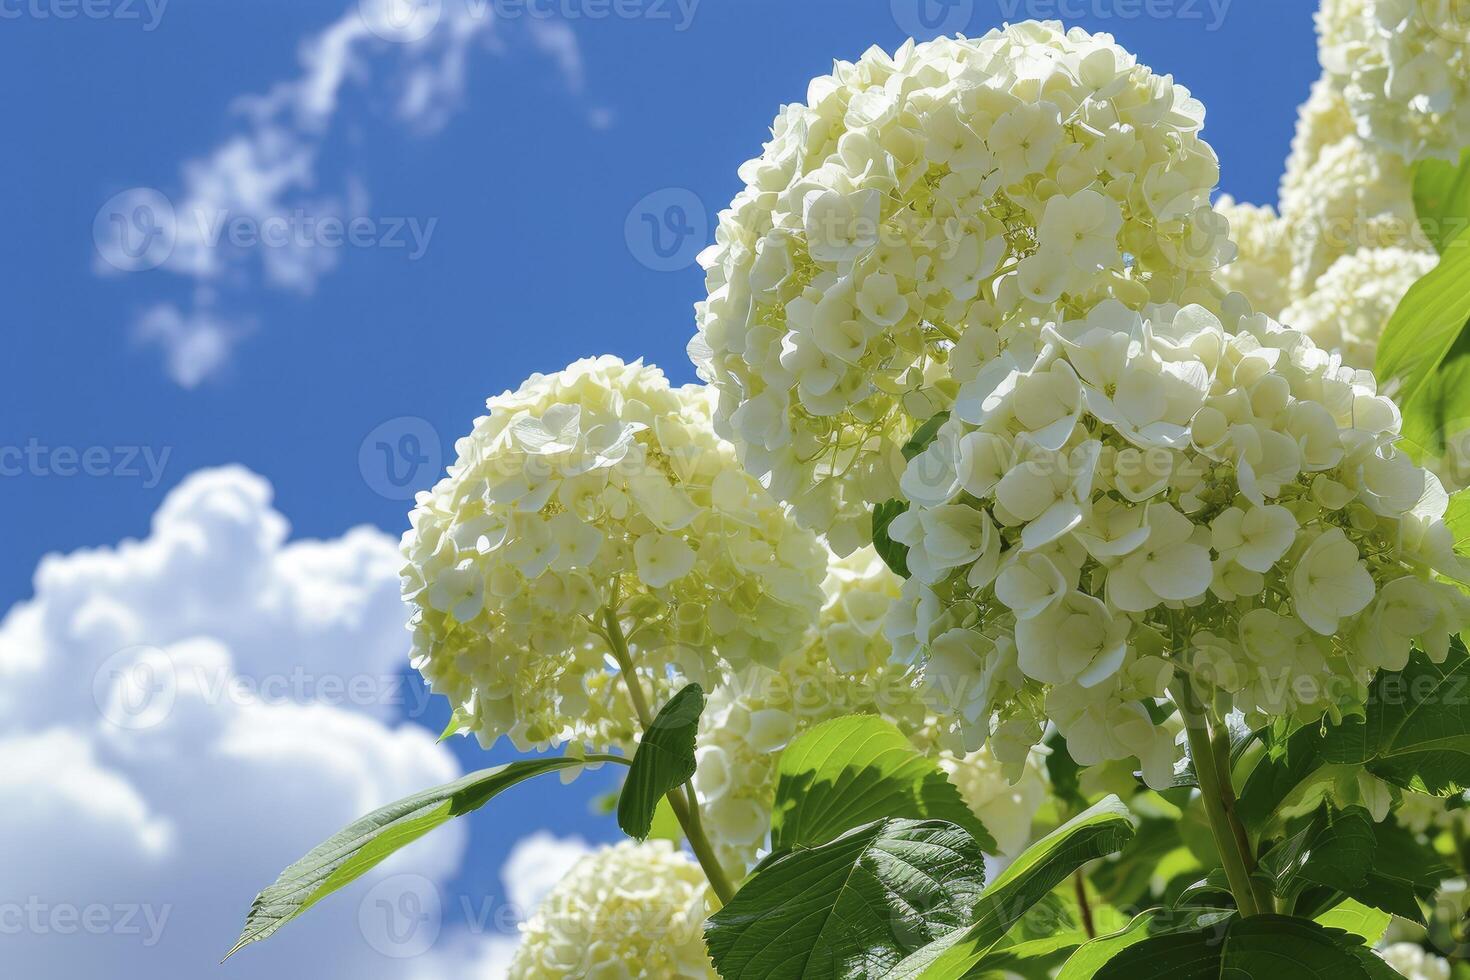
[(156, 777), (196, 344), (535, 865), (254, 213)]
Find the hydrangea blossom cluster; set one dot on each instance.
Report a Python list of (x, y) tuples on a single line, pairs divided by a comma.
[(1413, 961), (1429, 814), (626, 910), (1354, 300), (843, 668), (1404, 68), (1352, 197), (591, 506), (1005, 802), (1157, 494), (912, 215), (1261, 270), (1322, 121)]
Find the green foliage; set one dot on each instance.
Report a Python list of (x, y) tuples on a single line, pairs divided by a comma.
[(1356, 918), (1087, 961), (924, 435), (1417, 731), (664, 761), (1457, 519), (1259, 946), (851, 771), (1104, 829), (369, 841), (852, 906), (894, 555), (1419, 341), (1333, 848), (1442, 198)]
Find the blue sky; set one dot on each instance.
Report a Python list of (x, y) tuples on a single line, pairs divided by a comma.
[(532, 260)]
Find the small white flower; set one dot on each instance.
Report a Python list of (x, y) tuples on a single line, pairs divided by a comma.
[(1330, 582)]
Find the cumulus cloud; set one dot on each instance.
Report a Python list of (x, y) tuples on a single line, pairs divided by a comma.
[(257, 211), (157, 776)]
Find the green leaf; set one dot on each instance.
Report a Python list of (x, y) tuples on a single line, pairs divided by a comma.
[(1373, 965), (1261, 946), (1358, 919), (1442, 198), (1404, 873), (1417, 731), (1287, 764), (1440, 413), (664, 761), (459, 721), (1104, 829), (1333, 848), (1084, 964), (367, 842), (1419, 337), (1033, 958), (851, 771), (894, 555), (851, 907), (1127, 881), (924, 435), (1457, 519)]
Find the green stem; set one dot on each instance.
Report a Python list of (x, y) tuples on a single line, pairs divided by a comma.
[(1235, 853), (1220, 749), (684, 804)]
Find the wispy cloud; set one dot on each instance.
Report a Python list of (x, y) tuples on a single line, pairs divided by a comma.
[(259, 212)]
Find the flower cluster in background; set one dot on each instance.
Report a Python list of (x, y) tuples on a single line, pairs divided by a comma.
[(1347, 243), (596, 501), (625, 910), (912, 216), (1404, 70)]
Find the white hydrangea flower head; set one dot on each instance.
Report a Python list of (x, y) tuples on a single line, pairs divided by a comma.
[(1005, 801), (1160, 491), (597, 492), (1353, 301), (1353, 197), (1262, 266), (1323, 120), (1413, 961), (1404, 70), (625, 911), (917, 214), (843, 668)]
